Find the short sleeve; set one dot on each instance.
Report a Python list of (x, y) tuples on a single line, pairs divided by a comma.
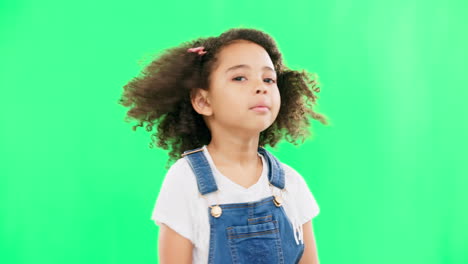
[(305, 200), (173, 207)]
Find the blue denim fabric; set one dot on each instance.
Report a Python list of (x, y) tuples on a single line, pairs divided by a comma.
[(253, 232)]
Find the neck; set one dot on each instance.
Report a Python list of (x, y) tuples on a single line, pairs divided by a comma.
[(234, 151)]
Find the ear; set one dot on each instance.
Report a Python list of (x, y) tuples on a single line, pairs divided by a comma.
[(201, 102)]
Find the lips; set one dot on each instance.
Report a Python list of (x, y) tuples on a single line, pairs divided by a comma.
[(260, 108), (260, 105)]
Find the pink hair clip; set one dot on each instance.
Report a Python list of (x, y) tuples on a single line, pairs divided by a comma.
[(197, 49)]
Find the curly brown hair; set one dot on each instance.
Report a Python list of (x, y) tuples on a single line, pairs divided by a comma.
[(162, 94)]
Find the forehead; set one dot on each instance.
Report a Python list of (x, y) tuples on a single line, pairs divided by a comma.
[(243, 52)]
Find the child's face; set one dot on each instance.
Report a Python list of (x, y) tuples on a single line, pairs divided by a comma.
[(234, 91)]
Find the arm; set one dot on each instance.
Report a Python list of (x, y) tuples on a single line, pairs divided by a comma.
[(310, 255), (173, 248)]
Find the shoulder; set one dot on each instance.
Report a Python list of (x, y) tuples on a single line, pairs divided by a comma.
[(178, 169), (180, 177), (177, 190), (297, 187), (175, 203), (291, 175), (293, 179)]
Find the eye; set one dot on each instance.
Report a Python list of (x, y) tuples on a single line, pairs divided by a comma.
[(272, 80), (236, 78)]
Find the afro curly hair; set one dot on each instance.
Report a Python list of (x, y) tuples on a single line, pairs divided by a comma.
[(161, 95)]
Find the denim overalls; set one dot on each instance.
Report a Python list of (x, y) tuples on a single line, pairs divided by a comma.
[(253, 232)]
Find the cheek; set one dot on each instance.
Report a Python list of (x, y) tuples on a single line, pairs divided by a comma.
[(227, 104), (277, 98)]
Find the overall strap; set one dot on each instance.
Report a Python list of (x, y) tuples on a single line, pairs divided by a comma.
[(202, 170), (275, 170)]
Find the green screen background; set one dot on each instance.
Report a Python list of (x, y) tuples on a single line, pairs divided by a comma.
[(389, 173)]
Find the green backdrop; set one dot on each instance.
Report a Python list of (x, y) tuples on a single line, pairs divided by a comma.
[(389, 173)]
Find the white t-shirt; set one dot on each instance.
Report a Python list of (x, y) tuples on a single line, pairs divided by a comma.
[(181, 207)]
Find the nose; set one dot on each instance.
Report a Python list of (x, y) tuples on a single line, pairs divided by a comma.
[(261, 88)]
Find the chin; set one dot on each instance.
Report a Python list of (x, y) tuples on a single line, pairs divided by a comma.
[(262, 128)]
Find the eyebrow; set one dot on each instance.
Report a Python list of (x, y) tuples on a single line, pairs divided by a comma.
[(248, 67)]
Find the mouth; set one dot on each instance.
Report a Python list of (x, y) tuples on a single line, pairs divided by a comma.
[(260, 109)]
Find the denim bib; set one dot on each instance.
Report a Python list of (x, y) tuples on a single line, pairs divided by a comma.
[(253, 232)]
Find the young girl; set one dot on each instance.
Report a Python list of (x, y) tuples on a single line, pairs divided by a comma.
[(217, 102)]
